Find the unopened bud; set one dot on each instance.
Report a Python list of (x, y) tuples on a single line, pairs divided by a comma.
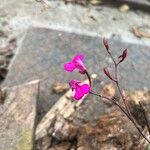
[(106, 71), (123, 56), (105, 42)]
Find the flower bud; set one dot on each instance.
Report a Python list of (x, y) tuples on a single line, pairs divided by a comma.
[(106, 71), (123, 56), (105, 42)]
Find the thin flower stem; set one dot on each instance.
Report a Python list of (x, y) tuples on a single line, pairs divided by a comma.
[(124, 111), (117, 84), (128, 110), (124, 100), (89, 77), (128, 113), (116, 72), (121, 107), (112, 57)]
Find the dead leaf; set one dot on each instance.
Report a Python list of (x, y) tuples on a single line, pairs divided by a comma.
[(60, 87), (139, 31), (108, 91)]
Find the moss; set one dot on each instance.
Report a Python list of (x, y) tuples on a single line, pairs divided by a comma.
[(148, 148), (26, 141)]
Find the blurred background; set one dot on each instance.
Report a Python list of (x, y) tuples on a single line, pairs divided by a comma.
[(38, 36)]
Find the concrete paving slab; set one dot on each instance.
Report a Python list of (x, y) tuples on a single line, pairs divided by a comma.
[(18, 117), (88, 20), (44, 52)]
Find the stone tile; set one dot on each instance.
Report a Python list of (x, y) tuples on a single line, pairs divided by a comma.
[(18, 117)]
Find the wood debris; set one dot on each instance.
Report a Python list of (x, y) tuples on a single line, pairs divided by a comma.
[(64, 107), (111, 131), (63, 129)]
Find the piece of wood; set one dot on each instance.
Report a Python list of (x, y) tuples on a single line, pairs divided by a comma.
[(65, 107)]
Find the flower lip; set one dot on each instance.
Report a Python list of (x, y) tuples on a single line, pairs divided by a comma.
[(76, 63), (79, 89), (79, 57)]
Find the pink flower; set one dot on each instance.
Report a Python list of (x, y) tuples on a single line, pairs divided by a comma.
[(79, 89), (76, 63)]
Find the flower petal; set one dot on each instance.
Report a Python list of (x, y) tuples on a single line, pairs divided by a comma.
[(80, 65), (69, 66), (85, 88), (78, 94), (76, 63), (78, 57)]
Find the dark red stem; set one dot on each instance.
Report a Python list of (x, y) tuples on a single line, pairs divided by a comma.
[(89, 77), (127, 112), (124, 111)]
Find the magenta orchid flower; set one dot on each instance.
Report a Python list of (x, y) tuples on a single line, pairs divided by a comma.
[(79, 89), (76, 63)]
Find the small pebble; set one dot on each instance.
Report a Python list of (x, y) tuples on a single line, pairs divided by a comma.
[(124, 8)]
